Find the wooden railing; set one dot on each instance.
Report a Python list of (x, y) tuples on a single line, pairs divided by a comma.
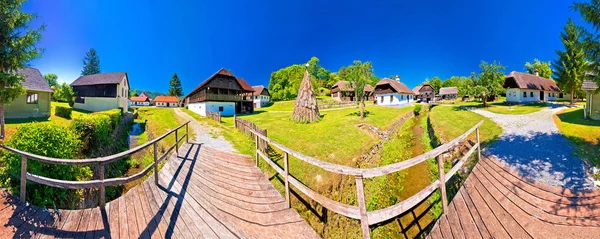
[(101, 183), (216, 116), (249, 128), (367, 218)]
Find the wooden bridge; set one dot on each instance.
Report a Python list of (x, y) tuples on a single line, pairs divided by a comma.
[(205, 193)]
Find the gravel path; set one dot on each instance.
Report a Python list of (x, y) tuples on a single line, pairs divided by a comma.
[(206, 135), (532, 145)]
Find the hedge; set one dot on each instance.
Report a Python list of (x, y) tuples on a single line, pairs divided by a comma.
[(63, 112), (94, 130), (114, 115), (52, 140)]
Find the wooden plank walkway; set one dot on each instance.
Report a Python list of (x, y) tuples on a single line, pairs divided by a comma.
[(203, 193), (495, 202)]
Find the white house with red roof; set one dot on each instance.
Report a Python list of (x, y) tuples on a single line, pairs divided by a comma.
[(527, 88), (141, 100), (221, 92), (261, 96), (166, 101), (393, 92)]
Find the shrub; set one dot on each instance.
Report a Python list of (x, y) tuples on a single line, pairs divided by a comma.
[(417, 109), (114, 115), (63, 112), (94, 130), (52, 140)]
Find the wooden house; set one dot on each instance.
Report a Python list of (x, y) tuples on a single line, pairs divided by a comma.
[(592, 100), (526, 88), (424, 93), (35, 103), (101, 92), (166, 101), (344, 92), (393, 92), (261, 97), (449, 93), (221, 92)]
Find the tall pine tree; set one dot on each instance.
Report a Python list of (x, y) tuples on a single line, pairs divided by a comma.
[(570, 67), (17, 47), (91, 63), (175, 88)]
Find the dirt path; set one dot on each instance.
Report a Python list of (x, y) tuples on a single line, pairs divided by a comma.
[(206, 135), (532, 145)]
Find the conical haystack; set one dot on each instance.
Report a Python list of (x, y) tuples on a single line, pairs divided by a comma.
[(305, 107)]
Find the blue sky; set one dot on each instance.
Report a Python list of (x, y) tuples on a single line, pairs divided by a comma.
[(151, 40)]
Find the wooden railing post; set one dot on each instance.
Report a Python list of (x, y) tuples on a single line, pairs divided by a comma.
[(155, 164), (364, 220), (287, 183), (235, 121), (23, 178), (478, 145), (187, 132), (256, 143), (176, 143), (100, 169), (442, 183)]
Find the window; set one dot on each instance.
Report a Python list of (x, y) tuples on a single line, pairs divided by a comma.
[(32, 98), (525, 94), (391, 98), (531, 94), (381, 99), (220, 108)]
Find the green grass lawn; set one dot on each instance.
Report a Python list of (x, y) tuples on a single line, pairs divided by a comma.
[(500, 107), (584, 134), (450, 122)]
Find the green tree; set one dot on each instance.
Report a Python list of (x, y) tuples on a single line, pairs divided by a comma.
[(51, 79), (359, 74), (17, 47), (543, 68), (284, 83), (64, 93), (91, 63), (134, 94), (590, 12), (490, 80), (436, 83), (571, 65), (175, 88)]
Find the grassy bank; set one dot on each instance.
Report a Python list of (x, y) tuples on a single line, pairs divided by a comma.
[(500, 106), (450, 122), (583, 134)]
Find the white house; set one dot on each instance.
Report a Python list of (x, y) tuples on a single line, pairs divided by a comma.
[(526, 88), (140, 101), (393, 92), (221, 92), (166, 101), (261, 96), (101, 92)]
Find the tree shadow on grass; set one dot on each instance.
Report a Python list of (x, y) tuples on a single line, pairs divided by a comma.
[(27, 120), (357, 113), (576, 117)]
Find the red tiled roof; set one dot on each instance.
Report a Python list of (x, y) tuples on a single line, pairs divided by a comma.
[(259, 89), (398, 86), (139, 99), (166, 98), (530, 82), (244, 84)]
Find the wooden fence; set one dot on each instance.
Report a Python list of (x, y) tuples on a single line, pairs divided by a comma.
[(216, 116), (336, 104), (367, 218), (100, 183)]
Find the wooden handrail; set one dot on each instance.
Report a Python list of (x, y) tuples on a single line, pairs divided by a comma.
[(360, 213), (100, 183)]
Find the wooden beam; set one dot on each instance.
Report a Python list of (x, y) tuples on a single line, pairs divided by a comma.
[(362, 206), (442, 185), (23, 178), (102, 195), (155, 164), (287, 183)]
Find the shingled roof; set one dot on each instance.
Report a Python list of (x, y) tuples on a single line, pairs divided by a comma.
[(33, 80), (368, 88), (589, 85), (343, 86), (100, 79), (245, 86), (398, 86), (449, 91), (529, 82)]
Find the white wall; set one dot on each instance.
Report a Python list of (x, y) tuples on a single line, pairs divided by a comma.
[(165, 104), (396, 99), (145, 103), (99, 104), (515, 95), (261, 101), (202, 107)]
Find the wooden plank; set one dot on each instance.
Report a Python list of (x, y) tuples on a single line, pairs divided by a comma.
[(175, 229), (475, 214), (142, 222), (454, 221), (132, 218), (445, 227), (113, 221), (466, 220), (70, 228), (151, 225), (84, 223), (158, 215), (60, 219), (123, 222), (93, 220), (41, 223), (435, 232), (364, 219), (494, 226)]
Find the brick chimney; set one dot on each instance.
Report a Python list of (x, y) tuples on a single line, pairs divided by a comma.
[(397, 78), (537, 73)]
